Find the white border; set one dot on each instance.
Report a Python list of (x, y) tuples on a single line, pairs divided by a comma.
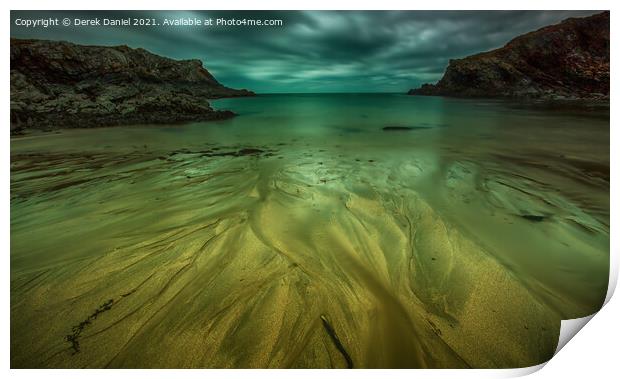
[(313, 5), (592, 353)]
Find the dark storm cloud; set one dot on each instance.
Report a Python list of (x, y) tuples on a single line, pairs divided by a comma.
[(314, 51)]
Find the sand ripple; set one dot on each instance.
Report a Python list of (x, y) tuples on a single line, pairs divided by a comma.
[(280, 258)]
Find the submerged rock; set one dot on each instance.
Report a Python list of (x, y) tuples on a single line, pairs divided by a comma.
[(61, 84), (249, 151), (534, 218), (396, 128), (403, 128), (215, 152), (569, 60)]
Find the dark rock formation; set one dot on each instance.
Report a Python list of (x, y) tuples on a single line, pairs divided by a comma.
[(569, 60), (60, 85)]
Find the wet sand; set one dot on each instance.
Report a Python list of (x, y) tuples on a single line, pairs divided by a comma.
[(400, 250)]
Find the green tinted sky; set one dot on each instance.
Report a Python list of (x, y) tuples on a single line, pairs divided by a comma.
[(314, 51)]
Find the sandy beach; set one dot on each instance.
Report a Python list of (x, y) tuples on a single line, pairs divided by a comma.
[(206, 247)]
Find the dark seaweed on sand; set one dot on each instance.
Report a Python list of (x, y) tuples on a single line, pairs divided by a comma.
[(334, 337), (73, 338)]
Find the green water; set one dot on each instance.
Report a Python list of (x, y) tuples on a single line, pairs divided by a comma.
[(300, 234)]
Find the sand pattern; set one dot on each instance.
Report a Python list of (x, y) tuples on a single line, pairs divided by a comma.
[(297, 253)]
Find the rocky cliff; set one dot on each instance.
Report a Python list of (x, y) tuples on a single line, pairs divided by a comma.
[(569, 60), (61, 84)]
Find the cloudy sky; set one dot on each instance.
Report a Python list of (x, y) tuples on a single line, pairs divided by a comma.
[(313, 51)]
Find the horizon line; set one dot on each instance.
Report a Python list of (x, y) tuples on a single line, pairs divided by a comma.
[(333, 93)]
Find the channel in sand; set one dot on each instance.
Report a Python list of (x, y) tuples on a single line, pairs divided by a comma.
[(244, 244)]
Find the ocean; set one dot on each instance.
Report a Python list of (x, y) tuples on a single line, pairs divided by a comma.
[(312, 230)]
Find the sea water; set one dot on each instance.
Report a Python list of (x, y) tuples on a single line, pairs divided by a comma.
[(301, 233)]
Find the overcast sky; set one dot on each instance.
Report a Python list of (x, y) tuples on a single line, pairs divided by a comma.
[(314, 51)]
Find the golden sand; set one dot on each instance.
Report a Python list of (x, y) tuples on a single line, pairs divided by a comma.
[(293, 257)]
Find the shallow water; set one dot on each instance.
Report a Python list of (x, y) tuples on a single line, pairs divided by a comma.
[(301, 234)]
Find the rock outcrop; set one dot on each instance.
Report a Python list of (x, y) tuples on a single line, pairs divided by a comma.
[(60, 85), (569, 60)]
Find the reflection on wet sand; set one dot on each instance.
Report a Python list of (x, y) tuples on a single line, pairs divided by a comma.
[(301, 253)]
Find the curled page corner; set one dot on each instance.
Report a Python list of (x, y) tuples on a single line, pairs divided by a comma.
[(568, 329), (524, 371), (613, 277)]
